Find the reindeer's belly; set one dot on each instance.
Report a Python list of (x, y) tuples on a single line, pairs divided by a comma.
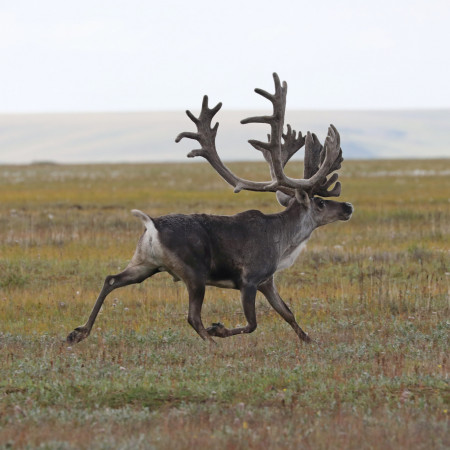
[(226, 284), (290, 255), (225, 275)]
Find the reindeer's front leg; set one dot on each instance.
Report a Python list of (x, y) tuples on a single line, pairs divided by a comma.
[(269, 290), (131, 275), (248, 296)]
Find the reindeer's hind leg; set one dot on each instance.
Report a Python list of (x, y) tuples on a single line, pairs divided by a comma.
[(248, 296), (196, 290), (269, 290), (132, 274)]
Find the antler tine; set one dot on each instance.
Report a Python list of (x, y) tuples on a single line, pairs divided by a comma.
[(337, 163), (323, 189), (313, 150), (291, 145)]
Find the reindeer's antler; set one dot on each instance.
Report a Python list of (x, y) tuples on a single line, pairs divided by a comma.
[(319, 161), (314, 161), (206, 137), (276, 121)]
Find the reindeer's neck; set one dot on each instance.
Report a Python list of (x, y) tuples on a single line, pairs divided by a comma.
[(296, 228), (297, 224)]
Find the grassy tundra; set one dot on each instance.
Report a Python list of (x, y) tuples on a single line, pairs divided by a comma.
[(374, 291)]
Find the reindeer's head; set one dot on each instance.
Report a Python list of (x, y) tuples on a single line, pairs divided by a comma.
[(320, 161), (328, 211)]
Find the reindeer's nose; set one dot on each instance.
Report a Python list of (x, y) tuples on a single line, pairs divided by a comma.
[(348, 208)]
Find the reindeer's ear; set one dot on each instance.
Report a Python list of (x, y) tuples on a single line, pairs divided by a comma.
[(303, 198), (283, 199)]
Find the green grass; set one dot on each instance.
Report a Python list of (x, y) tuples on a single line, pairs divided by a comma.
[(373, 291)]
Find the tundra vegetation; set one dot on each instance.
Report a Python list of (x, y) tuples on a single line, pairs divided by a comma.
[(374, 293)]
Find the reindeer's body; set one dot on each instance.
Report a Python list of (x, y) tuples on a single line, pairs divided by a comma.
[(243, 251), (225, 248), (227, 251)]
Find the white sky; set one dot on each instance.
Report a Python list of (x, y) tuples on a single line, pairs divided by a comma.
[(131, 55)]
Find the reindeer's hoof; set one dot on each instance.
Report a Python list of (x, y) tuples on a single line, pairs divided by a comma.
[(217, 329), (77, 335)]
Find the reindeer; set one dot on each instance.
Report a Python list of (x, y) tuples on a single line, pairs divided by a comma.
[(243, 251)]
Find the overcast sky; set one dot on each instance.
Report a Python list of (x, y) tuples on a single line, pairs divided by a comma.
[(106, 55)]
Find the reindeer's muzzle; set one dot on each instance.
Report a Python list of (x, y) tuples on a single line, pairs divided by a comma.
[(347, 211)]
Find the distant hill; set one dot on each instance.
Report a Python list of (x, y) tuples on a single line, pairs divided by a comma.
[(150, 136)]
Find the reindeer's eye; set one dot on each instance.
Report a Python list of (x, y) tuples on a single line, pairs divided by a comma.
[(320, 203)]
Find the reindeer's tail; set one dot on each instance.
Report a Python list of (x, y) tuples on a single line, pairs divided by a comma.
[(145, 219)]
